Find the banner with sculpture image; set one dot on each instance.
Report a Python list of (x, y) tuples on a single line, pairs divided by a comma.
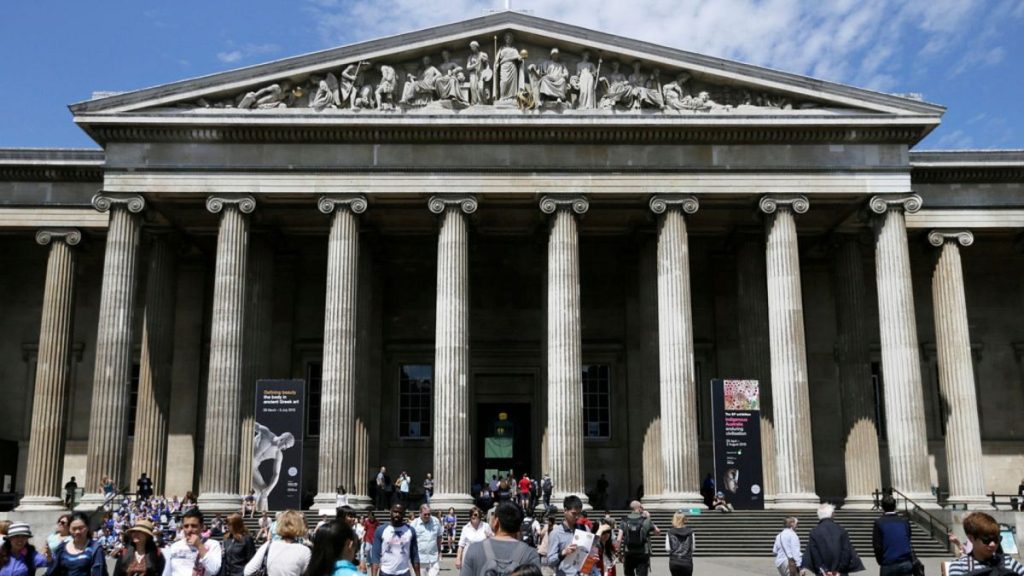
[(736, 419), (277, 444)]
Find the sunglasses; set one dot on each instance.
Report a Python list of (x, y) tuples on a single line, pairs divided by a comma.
[(987, 540)]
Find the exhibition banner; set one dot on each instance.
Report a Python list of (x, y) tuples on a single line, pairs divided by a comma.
[(736, 417), (277, 444)]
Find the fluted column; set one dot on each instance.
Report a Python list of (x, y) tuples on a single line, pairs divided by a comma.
[(43, 488), (258, 349), (755, 352), (218, 485), (862, 461), (794, 457), (338, 392), (149, 450), (565, 363), (901, 362), (108, 422), (956, 369), (451, 353), (678, 393)]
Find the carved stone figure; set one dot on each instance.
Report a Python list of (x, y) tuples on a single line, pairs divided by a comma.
[(619, 91), (480, 74), (350, 82), (675, 91), (273, 96), (421, 89), (646, 89), (326, 95), (701, 103), (384, 95), (551, 78), (449, 85), (585, 82), (507, 61)]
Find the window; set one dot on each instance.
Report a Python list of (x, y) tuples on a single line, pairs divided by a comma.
[(133, 397), (596, 401), (314, 387), (415, 390), (876, 383)]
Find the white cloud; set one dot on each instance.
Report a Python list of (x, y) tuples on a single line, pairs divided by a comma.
[(246, 51), (229, 57)]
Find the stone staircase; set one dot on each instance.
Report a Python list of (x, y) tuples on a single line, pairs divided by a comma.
[(748, 533)]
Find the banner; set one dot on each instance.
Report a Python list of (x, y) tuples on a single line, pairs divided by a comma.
[(736, 415), (277, 444)]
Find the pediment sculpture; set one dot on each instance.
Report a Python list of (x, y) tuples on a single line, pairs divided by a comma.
[(513, 79)]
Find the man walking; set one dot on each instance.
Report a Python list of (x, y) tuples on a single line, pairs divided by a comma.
[(546, 486), (829, 550), (503, 552), (561, 550), (890, 540), (635, 530), (428, 541), (395, 552), (70, 491), (193, 556)]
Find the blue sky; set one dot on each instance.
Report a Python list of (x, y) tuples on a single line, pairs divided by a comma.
[(963, 54)]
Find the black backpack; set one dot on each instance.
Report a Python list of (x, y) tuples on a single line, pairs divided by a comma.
[(635, 536), (526, 533), (547, 485)]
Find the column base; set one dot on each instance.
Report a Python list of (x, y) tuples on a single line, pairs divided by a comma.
[(925, 500), (860, 502), (446, 501), (324, 501), (672, 501), (796, 501), (979, 502), (40, 503), (91, 502), (219, 502)]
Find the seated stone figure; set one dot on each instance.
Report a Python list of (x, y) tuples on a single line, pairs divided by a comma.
[(421, 89)]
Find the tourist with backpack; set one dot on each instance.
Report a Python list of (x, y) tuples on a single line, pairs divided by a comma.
[(546, 486), (503, 553), (636, 540), (529, 532)]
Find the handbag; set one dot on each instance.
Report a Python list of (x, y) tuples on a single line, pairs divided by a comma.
[(792, 569), (262, 571)]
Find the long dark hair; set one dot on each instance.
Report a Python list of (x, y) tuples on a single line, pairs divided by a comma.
[(328, 545), (30, 556), (152, 553)]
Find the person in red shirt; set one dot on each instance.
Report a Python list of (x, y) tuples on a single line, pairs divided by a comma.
[(524, 491), (370, 525)]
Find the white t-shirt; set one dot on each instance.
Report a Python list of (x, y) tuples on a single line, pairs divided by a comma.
[(181, 558), (470, 535), (285, 559)]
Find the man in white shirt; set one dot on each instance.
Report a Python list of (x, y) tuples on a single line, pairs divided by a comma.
[(428, 541), (787, 547), (395, 551), (192, 556)]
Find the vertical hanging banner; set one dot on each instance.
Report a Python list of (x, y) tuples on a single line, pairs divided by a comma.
[(736, 415), (277, 444)]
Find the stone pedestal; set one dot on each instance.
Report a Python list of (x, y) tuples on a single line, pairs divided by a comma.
[(678, 391), (338, 394), (956, 370), (149, 449), (218, 484), (108, 422), (901, 361), (564, 357), (43, 487), (862, 460), (451, 421), (794, 456)]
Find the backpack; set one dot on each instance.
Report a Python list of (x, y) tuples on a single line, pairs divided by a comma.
[(494, 566), (529, 538), (635, 537), (547, 485)]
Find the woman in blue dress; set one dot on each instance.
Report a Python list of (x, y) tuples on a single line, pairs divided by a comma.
[(82, 556)]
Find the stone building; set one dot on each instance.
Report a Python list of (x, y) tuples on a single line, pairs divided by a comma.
[(442, 238)]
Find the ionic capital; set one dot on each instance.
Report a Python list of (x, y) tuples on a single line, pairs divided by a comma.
[(104, 201), (354, 202), (910, 203), (70, 236), (687, 203), (466, 202), (575, 202), (940, 236), (770, 203), (245, 203)]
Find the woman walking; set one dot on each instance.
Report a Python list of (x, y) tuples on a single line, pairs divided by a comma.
[(17, 556), (82, 556), (476, 530), (787, 549), (680, 543), (334, 549), (286, 556), (142, 558), (238, 547)]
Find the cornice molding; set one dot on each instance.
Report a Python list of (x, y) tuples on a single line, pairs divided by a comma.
[(356, 203), (688, 203), (938, 237), (467, 203)]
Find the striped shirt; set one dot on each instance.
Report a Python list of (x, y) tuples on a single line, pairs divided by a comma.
[(967, 564)]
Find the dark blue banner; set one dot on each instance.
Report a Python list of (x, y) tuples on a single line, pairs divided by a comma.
[(277, 444), (736, 415)]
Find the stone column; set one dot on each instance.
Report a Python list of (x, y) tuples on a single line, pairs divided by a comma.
[(678, 393), (565, 369), (108, 422), (862, 460), (258, 344), (901, 362), (218, 485), (794, 457), (451, 357), (43, 487), (149, 450), (338, 393), (956, 370), (755, 352)]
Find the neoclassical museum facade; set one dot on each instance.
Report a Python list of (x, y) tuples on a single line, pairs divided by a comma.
[(512, 222)]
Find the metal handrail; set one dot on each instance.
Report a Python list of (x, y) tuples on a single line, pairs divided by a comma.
[(933, 522)]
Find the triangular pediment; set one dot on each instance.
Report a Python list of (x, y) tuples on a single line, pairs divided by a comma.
[(436, 76)]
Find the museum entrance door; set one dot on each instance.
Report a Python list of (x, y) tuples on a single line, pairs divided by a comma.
[(502, 439)]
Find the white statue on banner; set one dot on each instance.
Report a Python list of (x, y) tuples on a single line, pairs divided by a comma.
[(267, 446)]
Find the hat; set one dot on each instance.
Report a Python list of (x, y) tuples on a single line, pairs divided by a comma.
[(144, 526), (19, 529)]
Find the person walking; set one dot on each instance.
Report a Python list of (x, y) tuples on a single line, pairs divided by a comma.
[(239, 547), (561, 550), (70, 492), (546, 487), (428, 540), (192, 555), (636, 538), (334, 549), (984, 557), (680, 544), (395, 551), (17, 556), (787, 549), (285, 556), (428, 487), (476, 530), (890, 540), (81, 556), (829, 549), (142, 558), (504, 552)]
